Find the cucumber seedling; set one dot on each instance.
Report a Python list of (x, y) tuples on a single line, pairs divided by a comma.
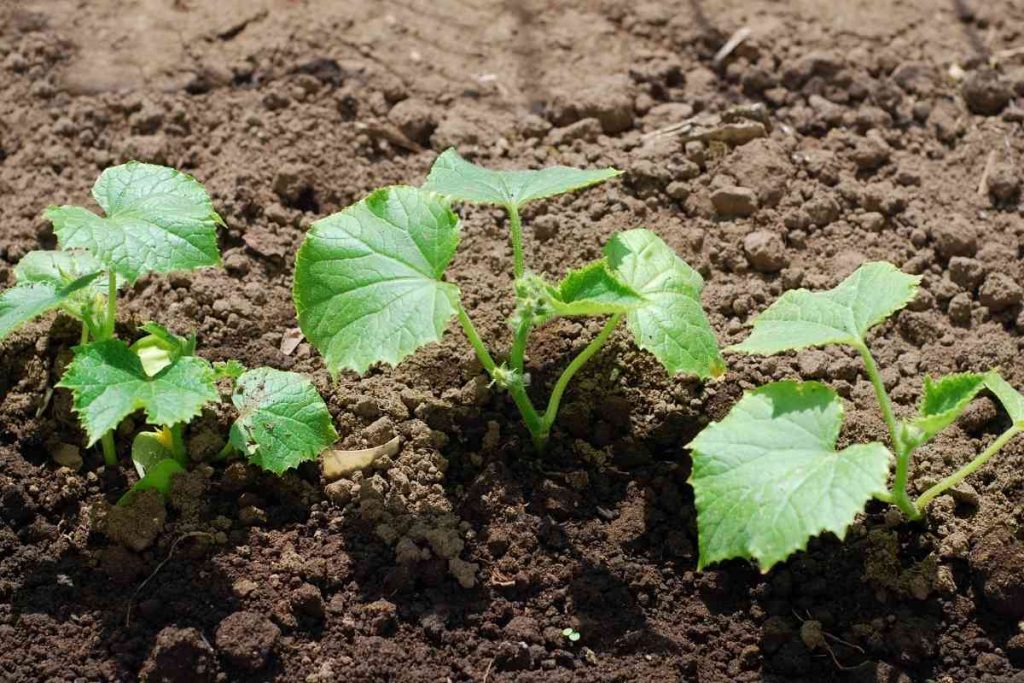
[(768, 477), (156, 220), (369, 283)]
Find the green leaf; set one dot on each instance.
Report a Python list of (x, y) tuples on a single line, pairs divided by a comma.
[(768, 477), (282, 420), (159, 477), (157, 219), (841, 315), (161, 347), (57, 267), (453, 176), (671, 324), (943, 401), (27, 300), (108, 383), (368, 284), (150, 448), (1011, 399), (229, 369), (594, 290)]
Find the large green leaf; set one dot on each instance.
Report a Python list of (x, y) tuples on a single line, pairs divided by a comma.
[(943, 401), (1011, 399), (109, 383), (671, 323), (282, 420), (26, 300), (841, 315), (157, 219), (453, 176), (368, 284), (768, 477)]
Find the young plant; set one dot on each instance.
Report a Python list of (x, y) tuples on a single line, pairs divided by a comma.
[(369, 283), (768, 477), (157, 220)]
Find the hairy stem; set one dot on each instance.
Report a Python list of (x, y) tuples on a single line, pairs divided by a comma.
[(970, 468), (517, 390), (518, 354), (109, 452), (903, 453), (516, 228), (578, 362)]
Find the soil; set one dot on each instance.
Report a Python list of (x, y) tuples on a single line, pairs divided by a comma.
[(834, 133)]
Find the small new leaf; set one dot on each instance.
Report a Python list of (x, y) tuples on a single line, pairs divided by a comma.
[(368, 284), (842, 315), (160, 477), (453, 176), (943, 401), (108, 383), (595, 290), (157, 219), (229, 369), (671, 323), (768, 476), (27, 300), (161, 347), (1011, 399), (282, 420)]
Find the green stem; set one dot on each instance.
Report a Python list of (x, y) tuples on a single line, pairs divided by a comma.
[(516, 390), (225, 453), (109, 452), (518, 354), (178, 442), (578, 362), (111, 305), (84, 339), (516, 228), (899, 485), (970, 468)]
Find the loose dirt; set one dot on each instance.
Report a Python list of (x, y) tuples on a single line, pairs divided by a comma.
[(833, 134)]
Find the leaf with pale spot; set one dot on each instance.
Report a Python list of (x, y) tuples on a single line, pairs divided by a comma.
[(671, 324), (842, 315), (282, 420), (453, 176), (108, 383), (368, 280), (157, 219), (768, 477)]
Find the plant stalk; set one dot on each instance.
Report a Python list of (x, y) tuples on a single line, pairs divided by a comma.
[(178, 442), (899, 485), (516, 228), (109, 452), (517, 390), (111, 305), (578, 362), (517, 356), (970, 468)]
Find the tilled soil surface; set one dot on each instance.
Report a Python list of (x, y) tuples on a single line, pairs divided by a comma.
[(834, 133)]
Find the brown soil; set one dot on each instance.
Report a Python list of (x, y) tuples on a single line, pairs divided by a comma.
[(889, 131)]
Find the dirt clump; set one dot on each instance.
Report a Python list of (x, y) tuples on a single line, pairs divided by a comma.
[(246, 639)]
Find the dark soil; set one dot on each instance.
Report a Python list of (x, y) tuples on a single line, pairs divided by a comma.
[(836, 132)]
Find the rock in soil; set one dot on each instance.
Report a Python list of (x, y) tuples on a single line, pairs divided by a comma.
[(246, 639), (180, 655)]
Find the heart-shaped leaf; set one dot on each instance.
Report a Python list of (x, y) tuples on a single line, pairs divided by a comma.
[(108, 384), (368, 280), (27, 300), (157, 219), (282, 420), (453, 176), (671, 324), (842, 315), (768, 477)]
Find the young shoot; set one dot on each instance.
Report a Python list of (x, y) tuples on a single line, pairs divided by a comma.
[(768, 477), (156, 220), (369, 283)]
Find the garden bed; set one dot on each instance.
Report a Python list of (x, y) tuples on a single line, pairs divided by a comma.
[(830, 135)]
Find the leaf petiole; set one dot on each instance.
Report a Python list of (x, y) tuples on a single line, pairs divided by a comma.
[(111, 304), (109, 452), (952, 480), (903, 452), (515, 224)]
